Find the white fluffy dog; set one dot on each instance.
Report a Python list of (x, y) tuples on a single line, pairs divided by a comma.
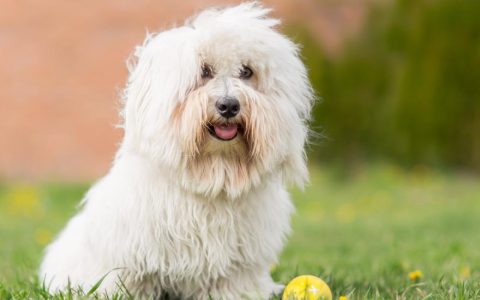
[(195, 205)]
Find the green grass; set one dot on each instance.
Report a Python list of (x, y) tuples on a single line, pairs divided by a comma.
[(361, 232)]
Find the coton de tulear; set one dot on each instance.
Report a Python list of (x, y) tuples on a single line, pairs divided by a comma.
[(195, 206)]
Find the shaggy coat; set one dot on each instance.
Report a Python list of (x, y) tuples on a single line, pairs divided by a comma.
[(195, 204)]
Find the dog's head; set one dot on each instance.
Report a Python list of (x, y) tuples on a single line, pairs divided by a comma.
[(222, 101)]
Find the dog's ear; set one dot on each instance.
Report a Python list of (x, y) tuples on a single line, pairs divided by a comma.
[(293, 86), (164, 70), (295, 168)]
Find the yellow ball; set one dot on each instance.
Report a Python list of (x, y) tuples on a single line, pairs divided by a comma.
[(307, 287)]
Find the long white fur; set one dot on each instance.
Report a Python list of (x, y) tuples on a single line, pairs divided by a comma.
[(181, 212)]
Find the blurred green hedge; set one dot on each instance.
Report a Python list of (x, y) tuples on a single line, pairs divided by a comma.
[(407, 88)]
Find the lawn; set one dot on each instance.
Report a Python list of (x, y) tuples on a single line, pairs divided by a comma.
[(363, 232)]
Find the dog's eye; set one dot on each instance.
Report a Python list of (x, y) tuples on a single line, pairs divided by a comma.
[(207, 71), (246, 73)]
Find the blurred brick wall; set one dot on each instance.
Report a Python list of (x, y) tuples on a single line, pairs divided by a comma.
[(63, 64)]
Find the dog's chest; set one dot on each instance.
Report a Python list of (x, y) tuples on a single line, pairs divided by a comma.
[(194, 237)]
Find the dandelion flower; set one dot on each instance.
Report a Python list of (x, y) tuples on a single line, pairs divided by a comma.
[(23, 200), (415, 275), (465, 273), (43, 236)]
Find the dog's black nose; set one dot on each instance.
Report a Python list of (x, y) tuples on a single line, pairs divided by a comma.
[(228, 107)]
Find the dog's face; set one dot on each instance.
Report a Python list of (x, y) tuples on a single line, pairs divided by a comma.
[(223, 102)]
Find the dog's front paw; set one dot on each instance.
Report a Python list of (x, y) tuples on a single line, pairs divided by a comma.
[(277, 290)]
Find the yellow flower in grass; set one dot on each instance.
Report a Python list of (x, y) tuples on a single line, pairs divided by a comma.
[(415, 275), (464, 273), (342, 298), (346, 213), (23, 200), (43, 236)]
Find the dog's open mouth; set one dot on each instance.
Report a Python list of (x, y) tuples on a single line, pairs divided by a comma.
[(224, 131)]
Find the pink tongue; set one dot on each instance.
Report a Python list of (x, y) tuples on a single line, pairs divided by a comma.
[(226, 132)]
